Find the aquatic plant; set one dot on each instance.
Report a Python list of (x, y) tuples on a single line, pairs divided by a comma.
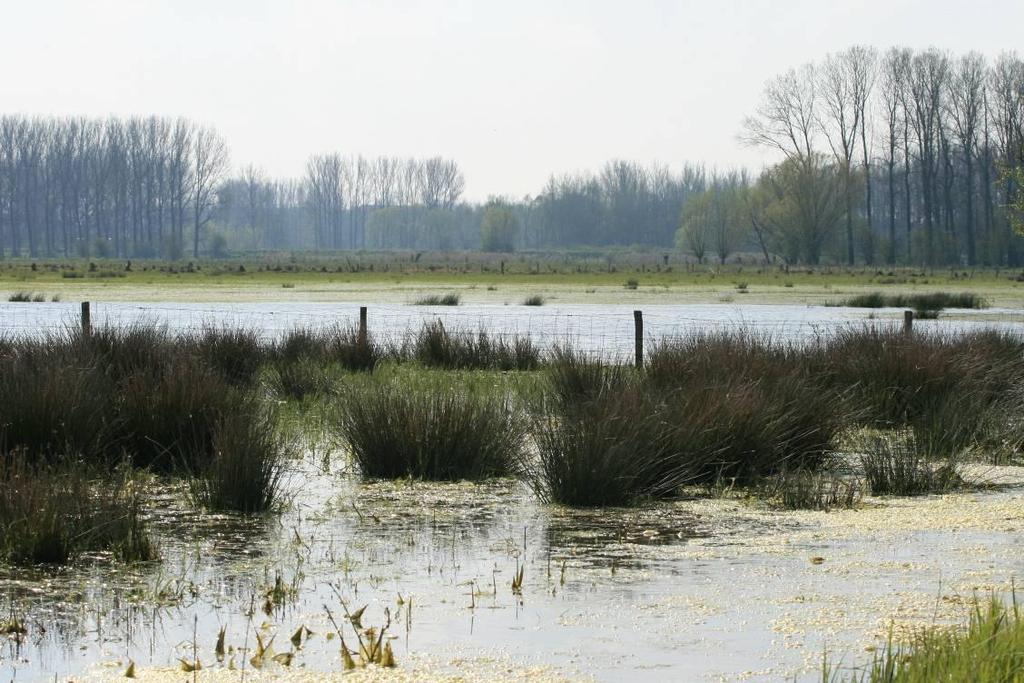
[(896, 464), (441, 432), (245, 470), (803, 490), (451, 299), (989, 650), (299, 378), (932, 301), (535, 300), (435, 346), (237, 353), (52, 512)]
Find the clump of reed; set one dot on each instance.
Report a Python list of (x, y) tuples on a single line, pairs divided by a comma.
[(605, 452), (923, 304), (535, 300), (237, 353), (895, 380), (344, 346), (53, 512), (987, 651), (245, 471), (26, 297), (804, 490), (897, 464), (435, 346), (450, 299), (575, 378), (299, 379), (676, 428), (444, 432)]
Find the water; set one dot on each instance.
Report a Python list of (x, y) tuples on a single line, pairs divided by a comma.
[(607, 330), (695, 590)]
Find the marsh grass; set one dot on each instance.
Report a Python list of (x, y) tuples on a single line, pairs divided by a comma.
[(576, 378), (450, 299), (921, 303), (245, 471), (606, 452), (299, 379), (50, 513), (437, 432), (989, 650), (436, 346), (237, 353), (804, 490), (535, 300), (897, 464), (337, 344)]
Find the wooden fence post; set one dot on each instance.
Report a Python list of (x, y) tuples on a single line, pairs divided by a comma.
[(638, 330), (362, 325), (86, 319), (908, 322)]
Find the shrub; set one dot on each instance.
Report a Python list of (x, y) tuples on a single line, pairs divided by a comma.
[(439, 300), (896, 464), (632, 283), (430, 432), (50, 513), (244, 472)]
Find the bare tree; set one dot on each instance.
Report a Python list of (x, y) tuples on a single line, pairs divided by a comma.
[(209, 164)]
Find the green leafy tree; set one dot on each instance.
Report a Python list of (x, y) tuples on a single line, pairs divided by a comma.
[(499, 227)]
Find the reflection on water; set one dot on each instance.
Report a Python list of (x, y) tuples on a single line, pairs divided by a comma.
[(690, 590)]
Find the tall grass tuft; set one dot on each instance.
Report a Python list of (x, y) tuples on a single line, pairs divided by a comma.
[(933, 301), (535, 300), (803, 490), (576, 378), (244, 472), (430, 432), (450, 299), (342, 345), (605, 452), (990, 650), (237, 353), (435, 346), (53, 512), (896, 464)]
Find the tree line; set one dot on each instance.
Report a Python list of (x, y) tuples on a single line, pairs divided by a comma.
[(907, 156), (904, 156)]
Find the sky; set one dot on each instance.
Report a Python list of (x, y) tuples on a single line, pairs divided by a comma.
[(514, 91)]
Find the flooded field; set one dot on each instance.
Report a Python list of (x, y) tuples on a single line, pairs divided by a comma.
[(481, 581), (700, 589), (603, 329)]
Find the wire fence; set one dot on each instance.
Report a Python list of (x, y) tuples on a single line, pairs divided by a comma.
[(605, 330)]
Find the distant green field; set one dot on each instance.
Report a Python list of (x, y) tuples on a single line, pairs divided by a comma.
[(479, 278)]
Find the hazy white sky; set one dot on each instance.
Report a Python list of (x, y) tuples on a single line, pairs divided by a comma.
[(512, 90)]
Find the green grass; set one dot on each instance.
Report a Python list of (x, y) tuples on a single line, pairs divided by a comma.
[(989, 650)]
